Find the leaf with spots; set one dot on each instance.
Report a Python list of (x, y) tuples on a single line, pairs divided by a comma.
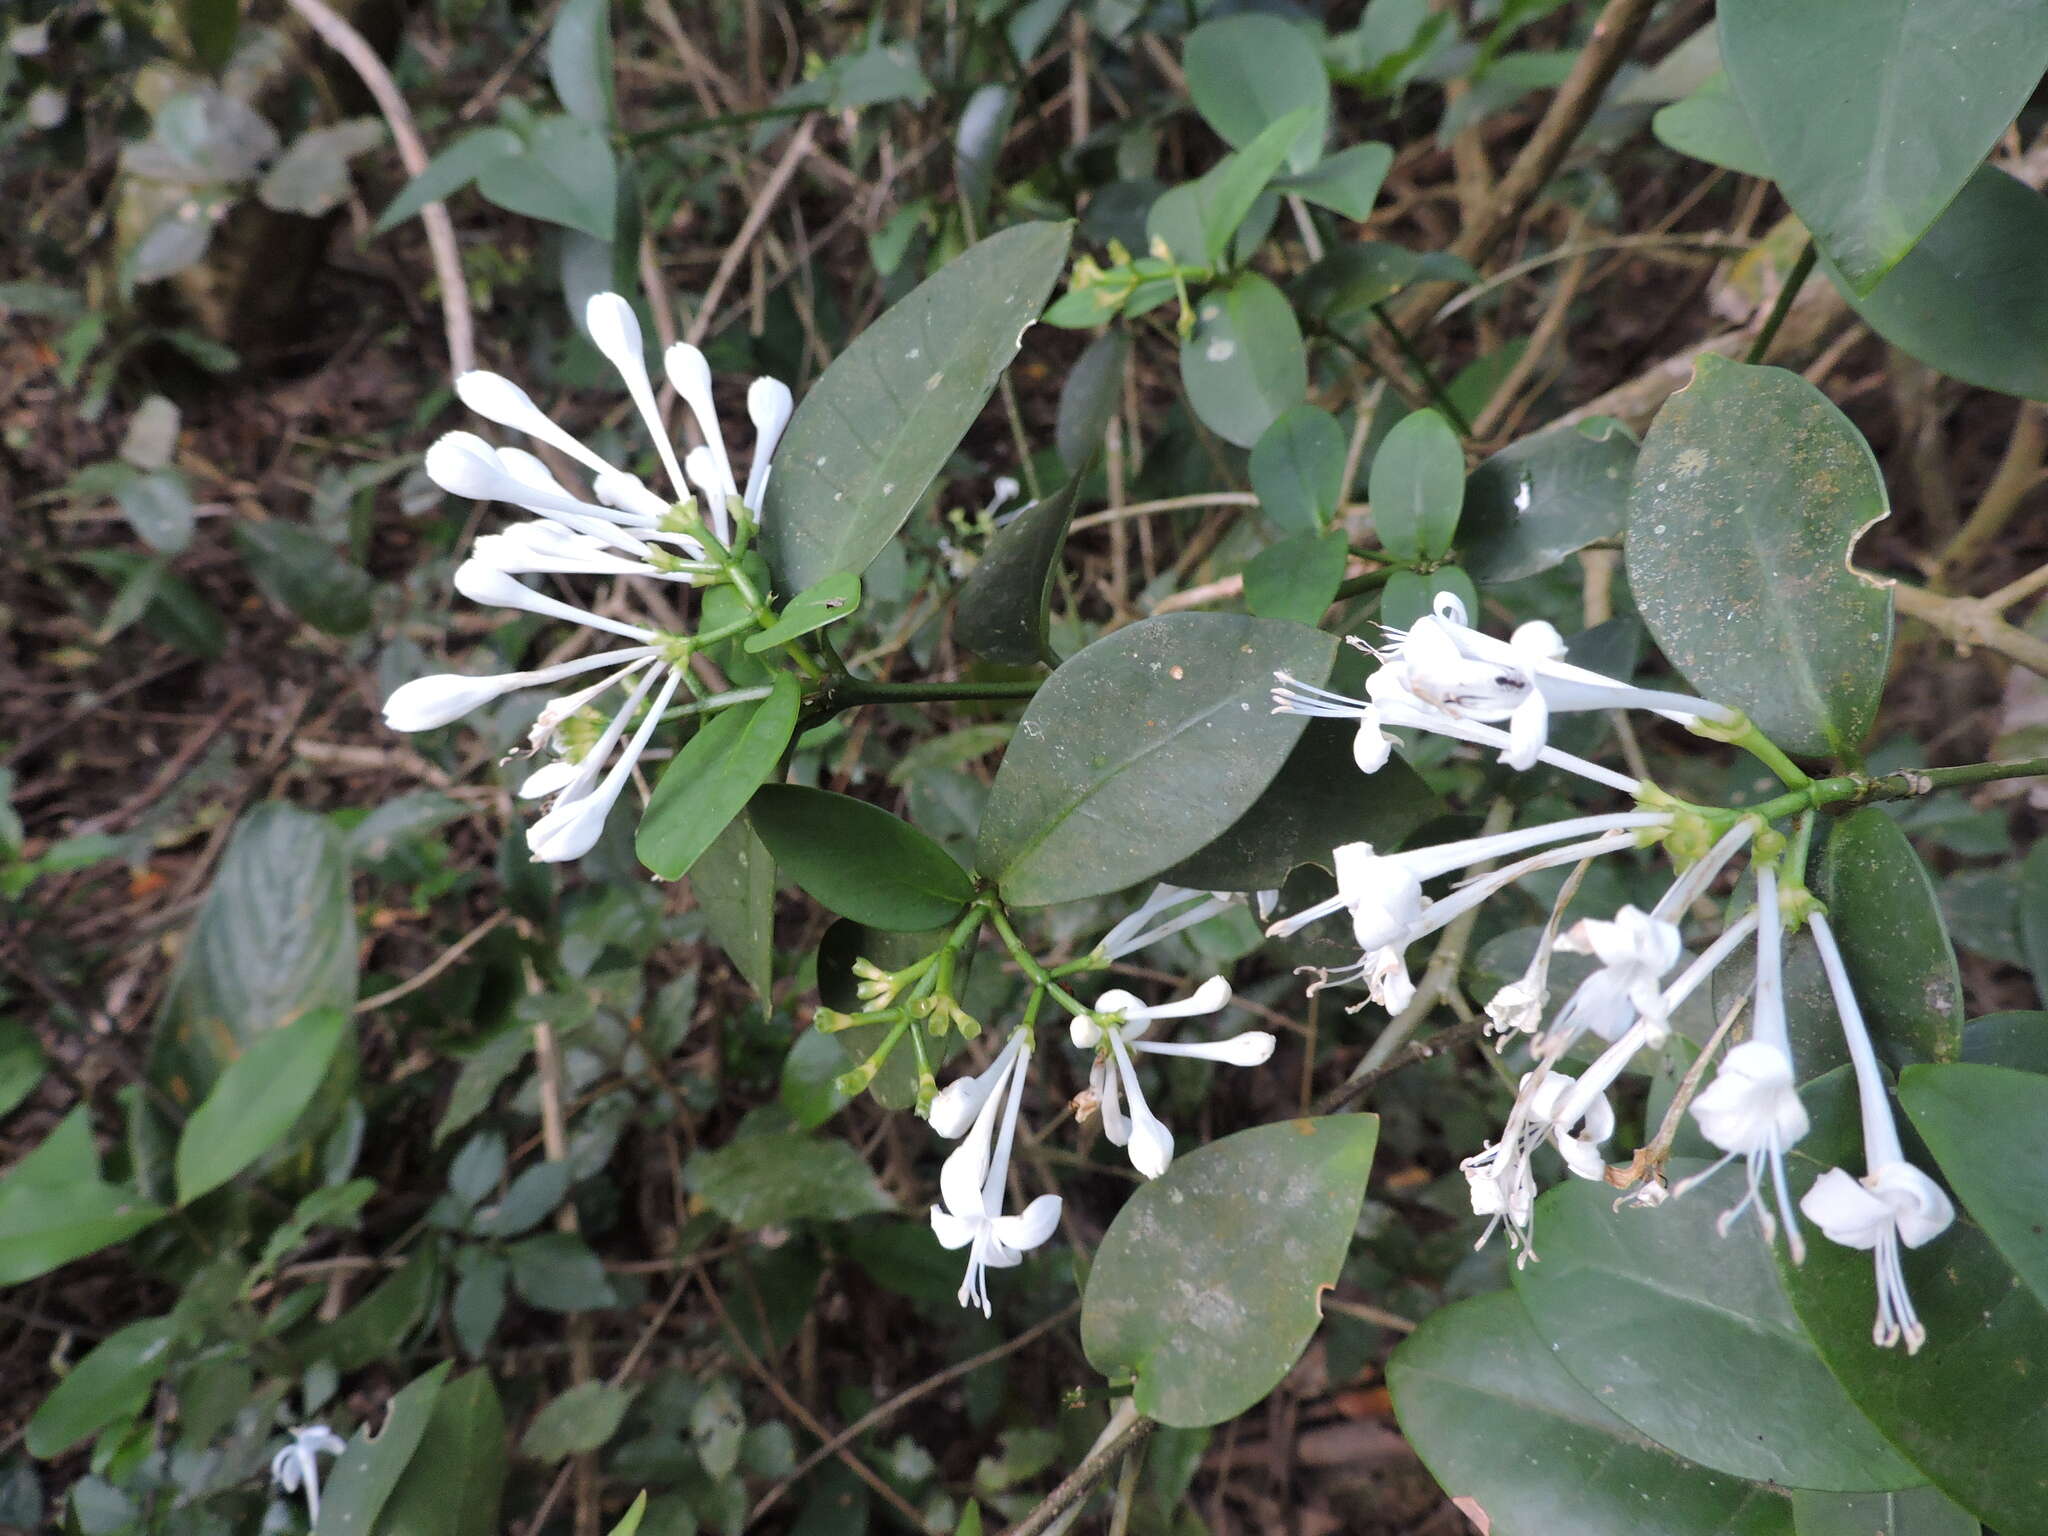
[(1142, 749), (1208, 1284), (1750, 493), (879, 424), (1894, 942)]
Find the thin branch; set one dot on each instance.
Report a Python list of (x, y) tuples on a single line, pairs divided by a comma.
[(1970, 621), (435, 967), (792, 156), (1078, 1483)]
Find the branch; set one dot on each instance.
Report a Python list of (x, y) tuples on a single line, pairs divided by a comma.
[(1972, 621), (1077, 1483)]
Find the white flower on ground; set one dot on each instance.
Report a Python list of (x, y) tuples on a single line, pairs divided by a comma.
[(1895, 1202), (1552, 1106), (1751, 1109), (1115, 1031), (972, 1180), (296, 1466), (1635, 950)]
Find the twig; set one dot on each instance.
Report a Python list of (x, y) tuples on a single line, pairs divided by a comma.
[(2019, 471), (764, 204), (435, 967), (1409, 1055), (1788, 291), (1379, 1317), (362, 58), (1972, 621), (1077, 1484)]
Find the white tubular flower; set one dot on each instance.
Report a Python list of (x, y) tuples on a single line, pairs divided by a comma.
[(1115, 1031), (1635, 950), (1895, 1202), (575, 821), (427, 703), (1751, 1109), (972, 1179), (957, 1104), (549, 548), (1165, 912), (480, 583), (1575, 1118), (297, 1466)]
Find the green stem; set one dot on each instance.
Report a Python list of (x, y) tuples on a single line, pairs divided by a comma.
[(1854, 789), (841, 693), (714, 702), (1772, 756), (1420, 364), (1028, 964), (1788, 291), (1369, 581)]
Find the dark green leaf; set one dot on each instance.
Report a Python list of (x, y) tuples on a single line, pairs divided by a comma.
[(2033, 918), (367, 1474), (1546, 497), (810, 1080), (1197, 221), (566, 176), (1837, 93), (1749, 494), (2008, 1040), (580, 60), (1710, 125), (455, 1481), (1003, 606), (872, 432), (557, 1271), (780, 1177), (1988, 1129), (978, 141), (301, 572), (450, 171), (21, 1063), (1297, 578), (1634, 1302), (210, 27), (1089, 398), (859, 861), (1297, 468), (1908, 1512), (1249, 71), (111, 1383), (1140, 751), (1342, 288), (1347, 182), (581, 1419), (259, 1097), (371, 1329), (1208, 1284), (1500, 1422), (1244, 364), (827, 602), (735, 884), (1418, 487), (710, 779), (1888, 922)]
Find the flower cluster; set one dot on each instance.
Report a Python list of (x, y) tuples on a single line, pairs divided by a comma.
[(1446, 677), (623, 529)]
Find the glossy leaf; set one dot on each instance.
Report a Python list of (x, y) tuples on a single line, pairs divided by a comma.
[(1297, 469), (454, 1484), (1247, 72), (112, 1382), (1888, 921), (836, 597), (1141, 750), (1634, 1302), (1003, 606), (858, 860), (1347, 182), (366, 1474), (1749, 494), (1418, 487), (1967, 299), (1207, 1285), (1243, 364), (869, 436), (567, 175), (734, 880), (1988, 1129), (1907, 1512), (1297, 579), (1711, 125), (779, 1177), (1838, 93), (1502, 1424), (258, 1099), (2018, 1040), (1543, 499), (711, 778), (1089, 398)]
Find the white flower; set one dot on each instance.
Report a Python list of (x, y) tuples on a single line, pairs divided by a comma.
[(1575, 1118), (1115, 1031), (1895, 1202), (1751, 1109), (296, 1467), (1165, 912), (1635, 950), (972, 1180), (430, 702), (959, 1103)]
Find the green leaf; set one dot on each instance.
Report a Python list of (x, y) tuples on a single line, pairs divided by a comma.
[(1207, 1286), (859, 861), (827, 602), (1347, 182), (54, 1207), (158, 507), (1089, 399), (454, 1483), (2033, 916), (1297, 578), (300, 572), (1988, 1129), (809, 1088), (773, 1179), (450, 171), (1888, 921), (580, 60), (1297, 469), (557, 1271), (1244, 363), (1976, 1383), (1342, 288), (1546, 497), (1633, 1303), (1837, 92), (1408, 595), (1141, 750), (210, 27), (1749, 495), (566, 175), (712, 776), (1197, 221), (1907, 1512), (735, 884), (581, 1419), (2017, 1040), (311, 176), (1498, 1421), (629, 1523), (1002, 612), (110, 1384), (872, 432), (371, 1329), (367, 1473), (1965, 299), (1418, 487), (1248, 72), (258, 1099), (21, 1063), (1710, 125)]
